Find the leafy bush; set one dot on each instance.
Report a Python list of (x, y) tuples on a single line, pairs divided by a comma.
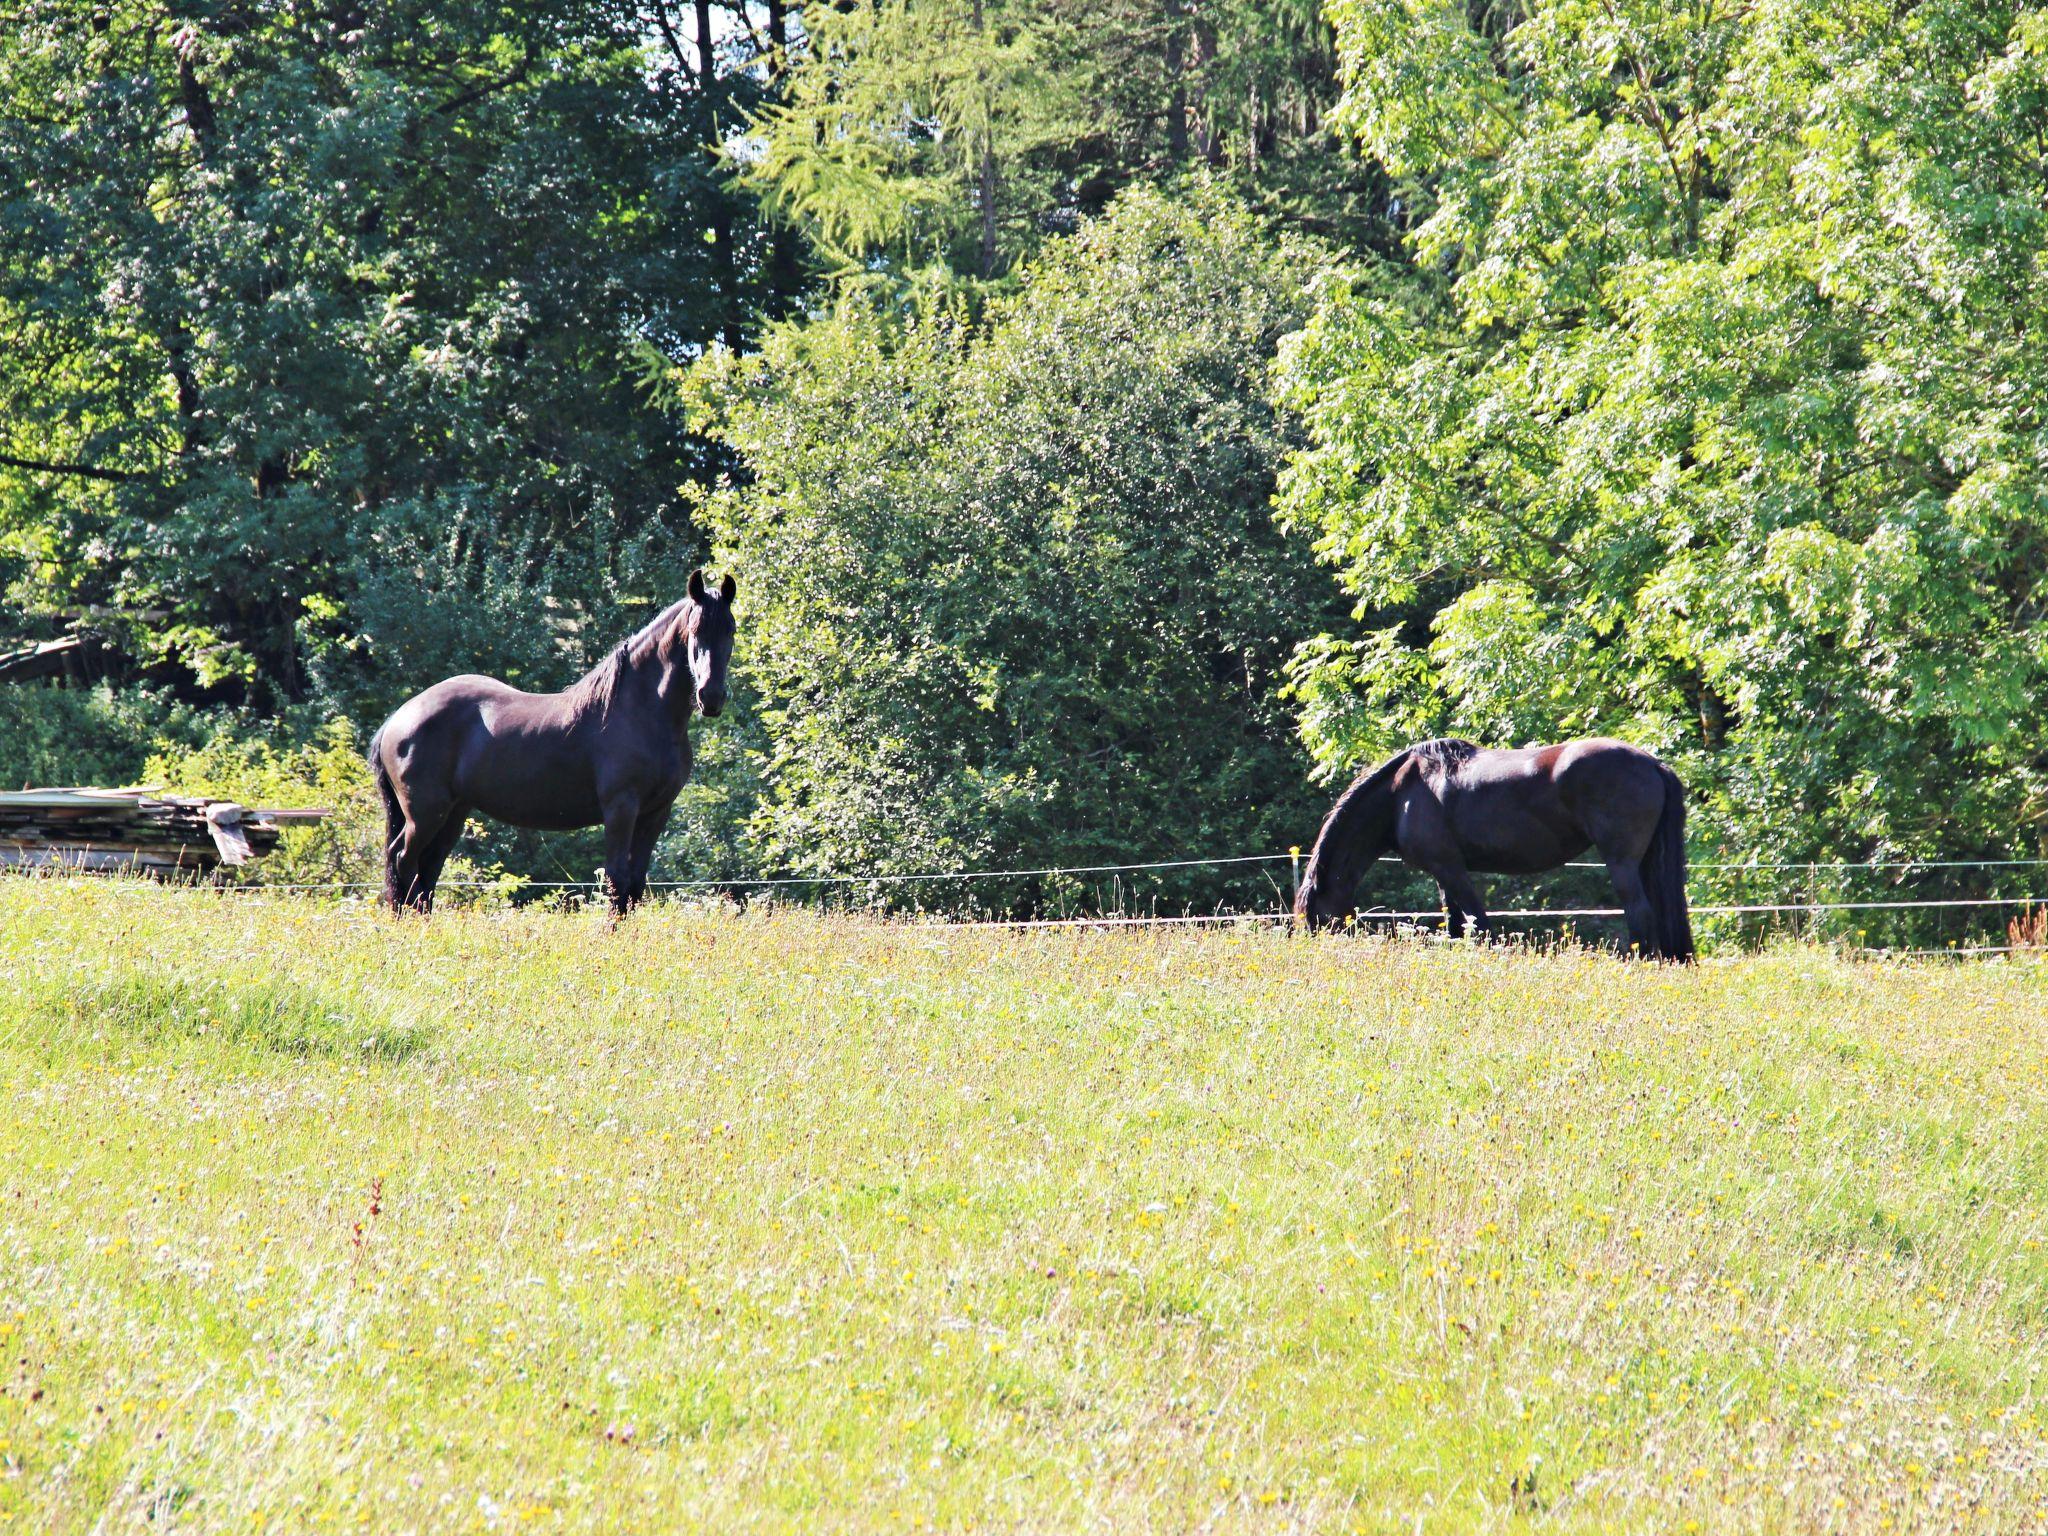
[(328, 770), (63, 736), (1011, 589)]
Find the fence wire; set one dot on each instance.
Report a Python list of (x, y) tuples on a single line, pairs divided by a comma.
[(513, 886), (772, 882)]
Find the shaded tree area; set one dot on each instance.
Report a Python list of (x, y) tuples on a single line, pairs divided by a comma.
[(327, 324), (922, 142)]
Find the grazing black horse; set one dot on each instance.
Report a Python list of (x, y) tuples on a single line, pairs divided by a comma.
[(613, 748), (1448, 807)]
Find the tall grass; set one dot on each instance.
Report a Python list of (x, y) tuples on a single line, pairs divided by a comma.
[(313, 1219)]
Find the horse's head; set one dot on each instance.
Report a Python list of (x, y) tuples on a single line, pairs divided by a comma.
[(1317, 905), (707, 630)]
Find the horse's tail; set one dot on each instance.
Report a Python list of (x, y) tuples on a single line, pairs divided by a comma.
[(1664, 874), (394, 815)]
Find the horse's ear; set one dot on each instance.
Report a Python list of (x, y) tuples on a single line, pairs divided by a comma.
[(696, 586), (726, 588)]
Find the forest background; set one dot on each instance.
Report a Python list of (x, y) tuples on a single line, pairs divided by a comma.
[(1125, 419)]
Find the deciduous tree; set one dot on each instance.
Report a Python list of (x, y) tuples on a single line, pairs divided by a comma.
[(1704, 406)]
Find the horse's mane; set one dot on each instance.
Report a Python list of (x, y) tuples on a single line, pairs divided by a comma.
[(1446, 752), (596, 689), (1357, 825), (1360, 817)]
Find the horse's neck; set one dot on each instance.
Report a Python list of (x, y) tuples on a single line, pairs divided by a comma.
[(1369, 829), (1359, 828), (668, 688), (667, 681), (677, 691), (633, 680)]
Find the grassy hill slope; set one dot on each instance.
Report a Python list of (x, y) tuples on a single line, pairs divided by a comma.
[(311, 1219)]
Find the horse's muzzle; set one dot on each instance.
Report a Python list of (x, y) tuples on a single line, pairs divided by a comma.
[(1315, 914), (711, 702)]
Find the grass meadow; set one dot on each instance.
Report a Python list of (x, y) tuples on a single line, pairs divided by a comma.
[(315, 1220)]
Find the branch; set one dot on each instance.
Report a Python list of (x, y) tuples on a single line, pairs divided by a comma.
[(82, 471), (1654, 118), (742, 14), (478, 93), (659, 11)]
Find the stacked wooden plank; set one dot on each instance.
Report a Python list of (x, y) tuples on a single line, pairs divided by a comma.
[(141, 830), (75, 658)]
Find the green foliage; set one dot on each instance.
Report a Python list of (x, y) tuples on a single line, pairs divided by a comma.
[(1704, 407), (707, 836), (327, 771), (919, 128), (923, 144), (312, 314), (1012, 590), (53, 737)]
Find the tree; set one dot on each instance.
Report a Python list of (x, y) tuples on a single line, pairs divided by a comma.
[(1243, 88), (1015, 591), (1702, 408), (314, 313), (923, 143), (914, 129)]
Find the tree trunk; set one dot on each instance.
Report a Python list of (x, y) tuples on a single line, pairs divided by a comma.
[(785, 272), (1177, 101), (985, 177), (178, 350), (721, 210), (987, 185), (1202, 48), (198, 107)]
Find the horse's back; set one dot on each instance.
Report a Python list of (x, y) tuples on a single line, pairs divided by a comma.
[(1614, 790), (465, 736), (1516, 810), (1602, 746), (1603, 761), (471, 689), (1504, 808), (469, 699)]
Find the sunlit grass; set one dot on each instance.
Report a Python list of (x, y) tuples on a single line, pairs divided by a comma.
[(311, 1219)]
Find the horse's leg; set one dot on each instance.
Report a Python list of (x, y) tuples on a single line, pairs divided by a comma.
[(1618, 795), (620, 818), (406, 858), (397, 870), (409, 866), (1627, 875), (394, 819), (646, 833), (435, 856), (402, 860), (1454, 915), (1462, 897)]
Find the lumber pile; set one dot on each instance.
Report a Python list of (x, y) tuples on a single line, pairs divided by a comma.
[(76, 659), (137, 830)]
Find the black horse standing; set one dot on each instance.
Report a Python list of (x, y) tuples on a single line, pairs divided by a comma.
[(613, 748), (1448, 808)]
